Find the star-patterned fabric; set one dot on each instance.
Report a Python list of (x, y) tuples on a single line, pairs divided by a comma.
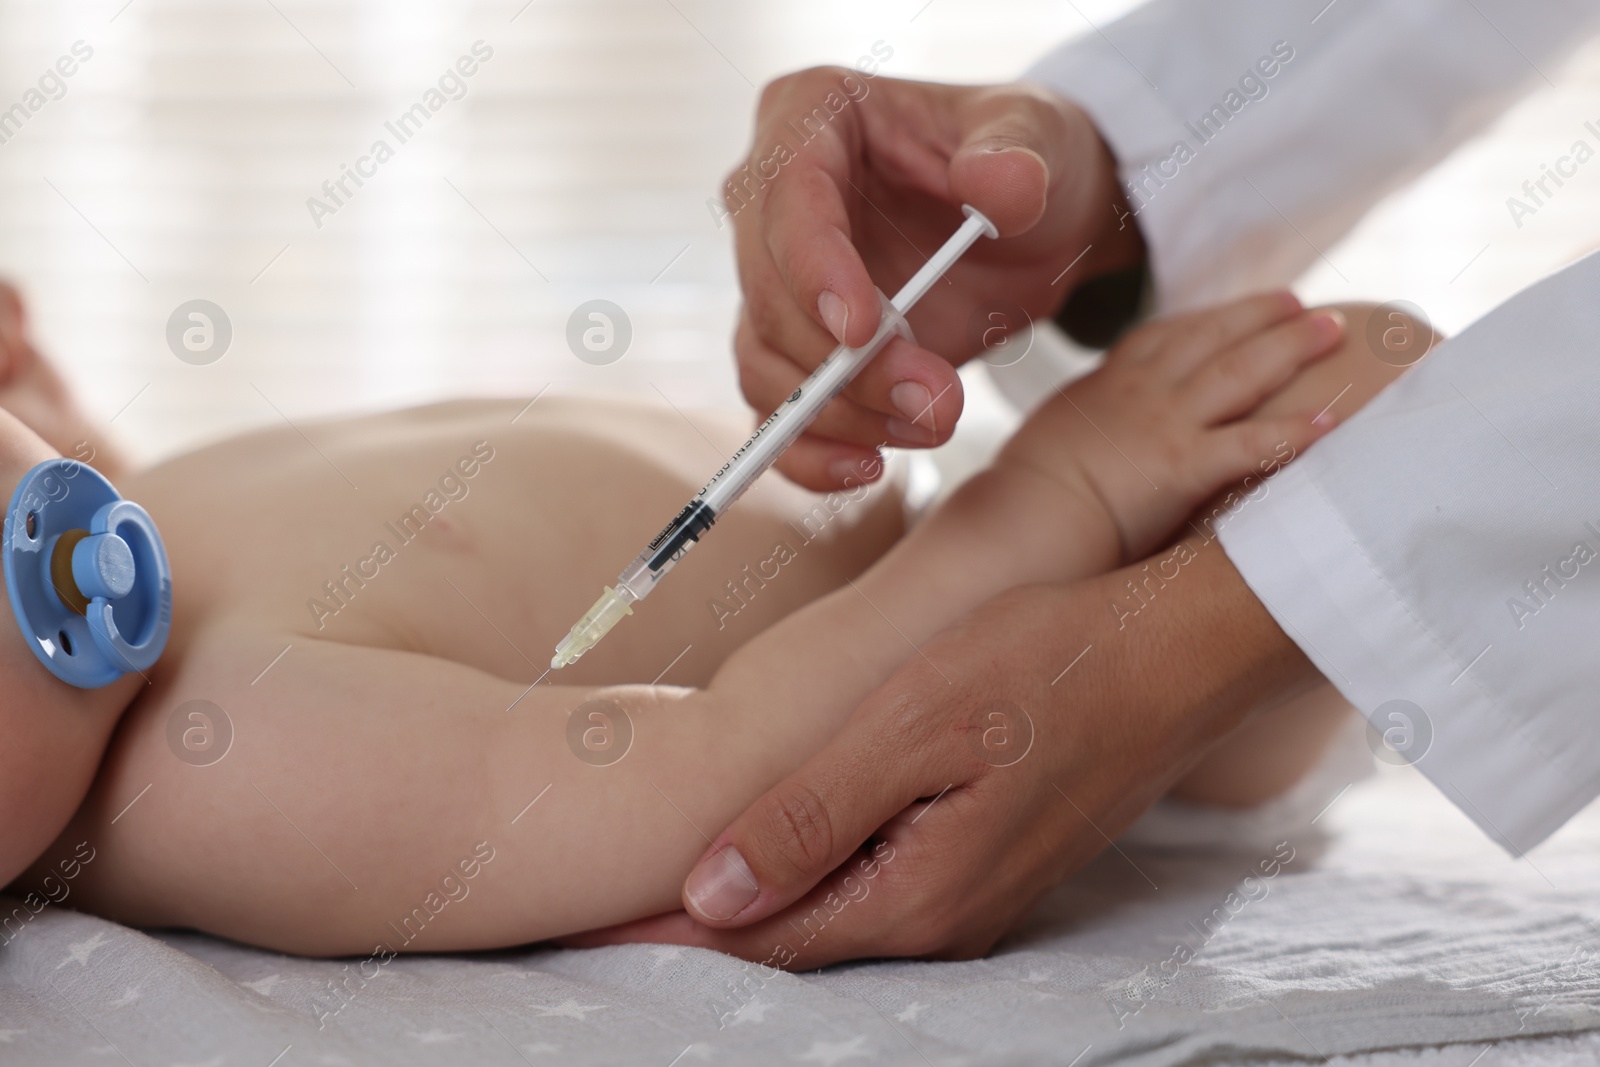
[(1394, 924)]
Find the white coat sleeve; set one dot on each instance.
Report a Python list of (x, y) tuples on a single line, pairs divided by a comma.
[(1251, 134), (1438, 558)]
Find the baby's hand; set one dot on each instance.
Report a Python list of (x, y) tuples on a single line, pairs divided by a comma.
[(1167, 422)]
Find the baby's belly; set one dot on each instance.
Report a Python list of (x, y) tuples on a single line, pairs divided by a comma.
[(454, 531)]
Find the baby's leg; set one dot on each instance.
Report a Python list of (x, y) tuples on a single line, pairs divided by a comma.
[(1278, 744), (35, 392)]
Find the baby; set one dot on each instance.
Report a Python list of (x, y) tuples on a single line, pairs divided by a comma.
[(352, 743)]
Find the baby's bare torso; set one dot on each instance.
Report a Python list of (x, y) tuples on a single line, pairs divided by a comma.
[(456, 532)]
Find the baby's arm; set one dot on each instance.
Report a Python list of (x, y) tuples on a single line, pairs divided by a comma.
[(367, 784)]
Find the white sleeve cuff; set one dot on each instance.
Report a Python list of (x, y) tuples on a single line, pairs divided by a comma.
[(1303, 561)]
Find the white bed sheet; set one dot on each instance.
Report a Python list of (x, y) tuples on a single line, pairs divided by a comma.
[(1397, 935)]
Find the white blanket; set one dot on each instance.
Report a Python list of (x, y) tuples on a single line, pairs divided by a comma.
[(1401, 926)]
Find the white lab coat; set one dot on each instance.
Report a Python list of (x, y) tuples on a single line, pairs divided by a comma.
[(1442, 548)]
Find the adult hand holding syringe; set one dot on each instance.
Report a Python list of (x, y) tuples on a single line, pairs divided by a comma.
[(762, 449)]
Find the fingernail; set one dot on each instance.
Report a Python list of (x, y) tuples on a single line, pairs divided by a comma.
[(912, 400), (1332, 321), (997, 148), (722, 885), (831, 307), (1324, 420)]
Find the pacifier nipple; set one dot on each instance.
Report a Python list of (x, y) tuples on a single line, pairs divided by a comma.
[(84, 566)]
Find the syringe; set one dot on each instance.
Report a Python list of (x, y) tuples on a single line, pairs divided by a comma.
[(763, 448)]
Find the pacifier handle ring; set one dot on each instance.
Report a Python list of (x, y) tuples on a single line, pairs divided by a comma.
[(140, 650)]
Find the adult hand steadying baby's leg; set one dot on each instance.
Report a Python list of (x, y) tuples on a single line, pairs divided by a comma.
[(1100, 717)]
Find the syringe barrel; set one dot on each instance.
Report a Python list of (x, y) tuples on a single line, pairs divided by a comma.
[(638, 577), (763, 447), (757, 454), (792, 416)]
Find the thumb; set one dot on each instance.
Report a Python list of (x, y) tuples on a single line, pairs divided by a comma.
[(804, 827), (1013, 143)]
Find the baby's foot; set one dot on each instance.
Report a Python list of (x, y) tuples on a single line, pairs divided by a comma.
[(32, 390)]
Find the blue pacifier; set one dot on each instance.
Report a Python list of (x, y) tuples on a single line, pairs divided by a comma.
[(87, 575)]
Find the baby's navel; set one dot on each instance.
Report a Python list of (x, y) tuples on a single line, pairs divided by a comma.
[(452, 536)]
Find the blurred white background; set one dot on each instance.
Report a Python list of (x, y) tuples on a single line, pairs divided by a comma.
[(577, 166)]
